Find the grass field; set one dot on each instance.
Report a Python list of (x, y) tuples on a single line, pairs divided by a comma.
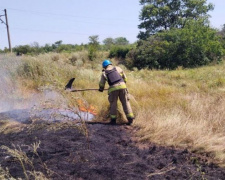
[(181, 108)]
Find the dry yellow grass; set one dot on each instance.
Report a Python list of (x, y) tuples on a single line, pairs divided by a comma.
[(181, 108)]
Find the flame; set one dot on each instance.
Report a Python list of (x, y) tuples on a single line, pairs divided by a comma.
[(86, 108)]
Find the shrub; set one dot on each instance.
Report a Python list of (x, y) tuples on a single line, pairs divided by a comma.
[(92, 52), (119, 51), (23, 49), (194, 45), (64, 48)]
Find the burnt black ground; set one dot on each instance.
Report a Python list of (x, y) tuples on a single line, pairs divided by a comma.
[(107, 152)]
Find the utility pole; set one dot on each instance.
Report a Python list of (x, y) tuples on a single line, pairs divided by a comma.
[(7, 26)]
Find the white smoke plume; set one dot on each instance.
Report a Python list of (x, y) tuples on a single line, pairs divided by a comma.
[(10, 96)]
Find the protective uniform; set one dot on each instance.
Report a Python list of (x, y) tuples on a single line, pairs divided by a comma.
[(116, 79)]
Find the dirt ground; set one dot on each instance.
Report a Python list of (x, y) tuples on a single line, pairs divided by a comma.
[(100, 152)]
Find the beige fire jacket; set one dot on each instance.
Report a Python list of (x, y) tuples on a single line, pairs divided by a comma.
[(117, 86)]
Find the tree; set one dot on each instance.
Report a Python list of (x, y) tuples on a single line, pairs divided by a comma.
[(108, 42), (222, 35), (159, 15), (47, 48), (222, 31), (56, 44), (119, 51), (23, 49), (192, 46), (93, 40), (64, 47), (35, 48), (121, 41), (93, 47)]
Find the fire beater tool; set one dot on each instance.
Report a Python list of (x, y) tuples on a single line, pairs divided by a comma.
[(69, 86)]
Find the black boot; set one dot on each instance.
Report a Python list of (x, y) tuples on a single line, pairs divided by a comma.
[(113, 121), (130, 120)]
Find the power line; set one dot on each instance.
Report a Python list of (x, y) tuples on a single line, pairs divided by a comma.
[(67, 15), (58, 32), (97, 23), (75, 21)]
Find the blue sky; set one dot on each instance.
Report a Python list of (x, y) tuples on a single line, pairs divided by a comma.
[(73, 21)]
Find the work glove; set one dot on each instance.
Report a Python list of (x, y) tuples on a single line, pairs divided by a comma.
[(101, 90)]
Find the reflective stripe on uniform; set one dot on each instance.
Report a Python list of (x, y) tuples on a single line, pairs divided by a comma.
[(113, 116), (114, 88), (131, 115), (123, 76)]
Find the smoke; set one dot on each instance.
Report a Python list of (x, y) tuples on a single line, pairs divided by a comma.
[(7, 68), (12, 97)]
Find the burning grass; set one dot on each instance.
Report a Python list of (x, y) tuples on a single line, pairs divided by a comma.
[(181, 108)]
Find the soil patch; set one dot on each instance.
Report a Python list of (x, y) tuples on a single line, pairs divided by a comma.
[(101, 152)]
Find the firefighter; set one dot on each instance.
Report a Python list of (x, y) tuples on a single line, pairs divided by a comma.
[(116, 79)]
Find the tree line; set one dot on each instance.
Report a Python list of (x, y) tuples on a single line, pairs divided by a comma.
[(173, 33), (58, 46)]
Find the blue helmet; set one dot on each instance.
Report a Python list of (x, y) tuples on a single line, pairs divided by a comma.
[(106, 63)]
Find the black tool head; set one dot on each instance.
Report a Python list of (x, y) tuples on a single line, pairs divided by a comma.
[(69, 84)]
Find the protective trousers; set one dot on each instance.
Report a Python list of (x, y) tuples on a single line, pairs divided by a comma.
[(122, 94)]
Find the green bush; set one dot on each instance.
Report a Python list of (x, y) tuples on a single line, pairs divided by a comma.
[(119, 51), (194, 45), (221, 33), (64, 48), (23, 49), (92, 52)]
